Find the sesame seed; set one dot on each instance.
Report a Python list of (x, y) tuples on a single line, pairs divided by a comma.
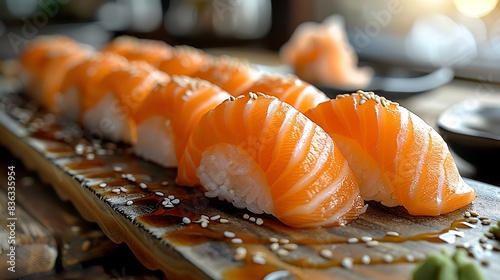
[(79, 149), (164, 183), (282, 252), (392, 233), (347, 263), (284, 241), (159, 194), (273, 239), (170, 196), (483, 240), (204, 217), (488, 247), (485, 222), (489, 235), (482, 218), (90, 156), (274, 246), (474, 213), (472, 220), (291, 246), (123, 189), (130, 202), (186, 220), (117, 169), (259, 222), (204, 224), (131, 177), (103, 185), (236, 241), (252, 219), (410, 258), (366, 239), (372, 243), (259, 259), (325, 253), (229, 234), (224, 221), (176, 201), (388, 258), (143, 185), (216, 217), (365, 259), (246, 216), (241, 253), (352, 240), (124, 176), (116, 190), (467, 214)]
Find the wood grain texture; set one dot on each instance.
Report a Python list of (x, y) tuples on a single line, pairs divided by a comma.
[(77, 165), (35, 249), (77, 240)]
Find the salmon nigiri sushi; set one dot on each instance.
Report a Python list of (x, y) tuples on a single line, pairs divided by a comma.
[(184, 61), (290, 89), (37, 53), (398, 159), (55, 74), (82, 79), (231, 74), (107, 111), (166, 117), (133, 49), (45, 65), (262, 154)]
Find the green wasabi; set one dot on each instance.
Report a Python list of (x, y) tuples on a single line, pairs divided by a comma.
[(443, 266)]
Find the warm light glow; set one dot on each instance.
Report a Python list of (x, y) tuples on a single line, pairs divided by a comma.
[(475, 8)]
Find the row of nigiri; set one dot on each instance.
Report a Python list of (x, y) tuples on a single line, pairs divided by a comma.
[(308, 160)]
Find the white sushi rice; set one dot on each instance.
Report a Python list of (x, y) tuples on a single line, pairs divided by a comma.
[(230, 173), (155, 142), (109, 119), (68, 103), (371, 180)]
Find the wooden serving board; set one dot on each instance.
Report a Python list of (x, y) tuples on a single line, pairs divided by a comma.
[(126, 196)]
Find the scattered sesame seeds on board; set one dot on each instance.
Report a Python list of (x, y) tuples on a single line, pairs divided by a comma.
[(130, 208)]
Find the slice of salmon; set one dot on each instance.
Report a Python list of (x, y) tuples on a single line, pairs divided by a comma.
[(258, 152), (290, 89), (231, 74), (397, 158), (108, 109), (81, 80), (184, 61), (167, 117), (133, 49), (55, 73)]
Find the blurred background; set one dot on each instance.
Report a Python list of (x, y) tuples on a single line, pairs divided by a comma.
[(463, 34)]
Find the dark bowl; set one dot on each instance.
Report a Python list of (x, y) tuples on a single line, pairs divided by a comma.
[(472, 130)]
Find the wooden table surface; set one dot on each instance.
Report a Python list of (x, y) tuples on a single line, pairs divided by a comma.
[(72, 247)]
